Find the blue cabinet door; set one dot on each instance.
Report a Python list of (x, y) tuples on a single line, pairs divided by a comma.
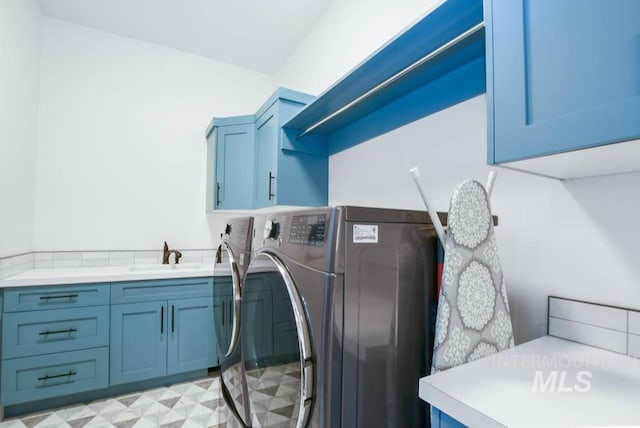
[(267, 150), (257, 319), (233, 187), (191, 343), (285, 333), (138, 341), (561, 75), (221, 325)]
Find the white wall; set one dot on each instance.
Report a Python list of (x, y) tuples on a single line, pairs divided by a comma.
[(19, 70), (121, 159), (575, 239), (347, 33)]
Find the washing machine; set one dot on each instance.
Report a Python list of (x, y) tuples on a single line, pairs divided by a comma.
[(231, 264), (336, 317)]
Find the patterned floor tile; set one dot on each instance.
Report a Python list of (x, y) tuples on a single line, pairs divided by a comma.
[(275, 395)]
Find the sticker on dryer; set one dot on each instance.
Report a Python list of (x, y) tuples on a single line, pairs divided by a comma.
[(365, 233)]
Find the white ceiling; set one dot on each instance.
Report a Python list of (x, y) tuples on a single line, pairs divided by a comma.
[(255, 34)]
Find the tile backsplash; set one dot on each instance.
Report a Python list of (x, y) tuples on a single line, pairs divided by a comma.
[(606, 327), (14, 265)]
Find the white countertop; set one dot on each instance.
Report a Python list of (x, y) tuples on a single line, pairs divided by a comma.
[(80, 275), (499, 391), (100, 274)]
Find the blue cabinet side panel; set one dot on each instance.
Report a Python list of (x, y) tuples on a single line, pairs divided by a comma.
[(138, 341), (462, 84), (565, 75), (303, 180)]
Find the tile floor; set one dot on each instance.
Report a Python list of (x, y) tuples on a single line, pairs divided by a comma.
[(275, 396), (192, 404)]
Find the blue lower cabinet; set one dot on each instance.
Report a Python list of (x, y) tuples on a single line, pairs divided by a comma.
[(440, 419), (191, 344), (154, 339), (223, 324), (45, 376), (62, 340), (285, 333), (138, 341), (43, 332), (55, 297), (257, 319)]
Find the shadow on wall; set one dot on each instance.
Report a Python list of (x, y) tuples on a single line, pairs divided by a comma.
[(612, 204)]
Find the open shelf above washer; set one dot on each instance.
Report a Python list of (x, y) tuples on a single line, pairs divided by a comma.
[(435, 63)]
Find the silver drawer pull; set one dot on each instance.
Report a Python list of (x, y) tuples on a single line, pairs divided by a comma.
[(68, 374), (69, 330), (62, 296)]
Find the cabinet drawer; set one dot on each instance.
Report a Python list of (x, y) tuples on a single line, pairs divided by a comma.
[(34, 333), (155, 290), (44, 376), (53, 297)]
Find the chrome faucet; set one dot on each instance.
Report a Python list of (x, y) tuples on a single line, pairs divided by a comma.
[(166, 253)]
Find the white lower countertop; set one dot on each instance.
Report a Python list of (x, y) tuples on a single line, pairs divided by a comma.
[(547, 382), (82, 275)]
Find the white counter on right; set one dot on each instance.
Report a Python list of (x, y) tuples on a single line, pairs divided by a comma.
[(548, 382)]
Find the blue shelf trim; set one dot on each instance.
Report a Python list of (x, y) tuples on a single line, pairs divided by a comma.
[(285, 94), (452, 77), (227, 121), (457, 86)]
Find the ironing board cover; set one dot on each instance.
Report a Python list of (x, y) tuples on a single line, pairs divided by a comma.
[(473, 317)]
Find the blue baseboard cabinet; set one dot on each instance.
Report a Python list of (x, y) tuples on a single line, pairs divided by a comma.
[(440, 419), (253, 163), (561, 76), (69, 340)]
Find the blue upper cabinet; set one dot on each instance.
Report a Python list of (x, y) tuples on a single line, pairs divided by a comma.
[(287, 173), (231, 142), (254, 163), (561, 75), (266, 157)]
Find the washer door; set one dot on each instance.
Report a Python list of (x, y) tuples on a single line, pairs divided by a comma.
[(227, 306), (276, 346)]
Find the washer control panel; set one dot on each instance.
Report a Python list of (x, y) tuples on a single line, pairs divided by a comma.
[(308, 229)]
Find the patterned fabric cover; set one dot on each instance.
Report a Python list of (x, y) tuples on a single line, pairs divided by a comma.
[(473, 318)]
